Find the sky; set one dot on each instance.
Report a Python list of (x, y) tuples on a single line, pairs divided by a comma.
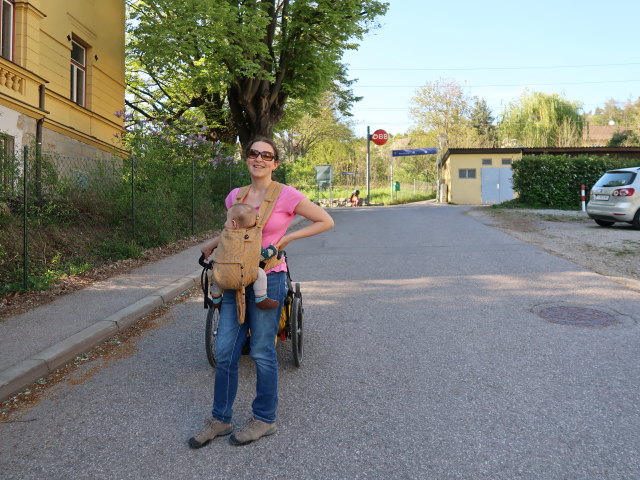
[(587, 51)]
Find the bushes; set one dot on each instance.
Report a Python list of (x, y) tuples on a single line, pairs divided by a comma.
[(553, 181), (84, 211)]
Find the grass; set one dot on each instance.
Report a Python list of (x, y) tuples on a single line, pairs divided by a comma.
[(518, 204), (112, 250), (378, 196)]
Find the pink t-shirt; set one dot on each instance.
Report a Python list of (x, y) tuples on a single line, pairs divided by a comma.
[(281, 217)]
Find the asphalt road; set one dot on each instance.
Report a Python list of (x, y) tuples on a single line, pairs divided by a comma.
[(425, 359)]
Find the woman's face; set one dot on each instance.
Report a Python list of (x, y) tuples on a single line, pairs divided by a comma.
[(260, 167)]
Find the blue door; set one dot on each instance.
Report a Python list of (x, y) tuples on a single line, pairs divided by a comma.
[(496, 185)]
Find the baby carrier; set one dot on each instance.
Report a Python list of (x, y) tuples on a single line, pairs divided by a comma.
[(237, 256)]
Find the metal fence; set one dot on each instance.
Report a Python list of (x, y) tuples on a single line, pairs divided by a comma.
[(59, 214), (62, 215)]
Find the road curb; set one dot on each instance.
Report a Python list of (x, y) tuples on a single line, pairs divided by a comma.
[(25, 372), (22, 374)]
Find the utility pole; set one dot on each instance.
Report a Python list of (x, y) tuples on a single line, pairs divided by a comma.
[(442, 138), (368, 165)]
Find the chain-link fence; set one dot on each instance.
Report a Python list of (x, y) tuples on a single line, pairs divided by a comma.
[(62, 215), (403, 191)]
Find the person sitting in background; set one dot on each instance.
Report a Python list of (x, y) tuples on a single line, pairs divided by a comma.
[(355, 199)]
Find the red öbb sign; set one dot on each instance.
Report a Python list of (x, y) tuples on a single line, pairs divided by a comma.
[(379, 137)]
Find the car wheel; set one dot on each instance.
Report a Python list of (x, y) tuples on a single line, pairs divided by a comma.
[(604, 223), (636, 220)]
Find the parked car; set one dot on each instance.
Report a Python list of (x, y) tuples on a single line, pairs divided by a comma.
[(616, 198)]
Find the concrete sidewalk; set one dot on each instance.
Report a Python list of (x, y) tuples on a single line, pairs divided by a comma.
[(41, 340)]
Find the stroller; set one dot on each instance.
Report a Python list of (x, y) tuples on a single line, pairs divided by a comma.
[(290, 318)]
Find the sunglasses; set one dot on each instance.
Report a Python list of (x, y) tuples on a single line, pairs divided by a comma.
[(266, 156)]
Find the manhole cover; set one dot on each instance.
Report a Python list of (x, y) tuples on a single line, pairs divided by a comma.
[(586, 317)]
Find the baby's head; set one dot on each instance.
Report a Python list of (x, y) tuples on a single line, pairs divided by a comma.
[(241, 215)]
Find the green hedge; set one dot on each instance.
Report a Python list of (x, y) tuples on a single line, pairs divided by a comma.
[(553, 181)]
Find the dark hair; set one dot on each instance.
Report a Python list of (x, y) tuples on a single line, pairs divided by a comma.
[(264, 140)]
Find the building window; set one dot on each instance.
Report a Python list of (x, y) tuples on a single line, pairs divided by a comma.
[(6, 29), (8, 166), (506, 161), (467, 173), (486, 161), (78, 72)]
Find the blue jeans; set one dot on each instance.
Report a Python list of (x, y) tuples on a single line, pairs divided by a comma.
[(231, 337)]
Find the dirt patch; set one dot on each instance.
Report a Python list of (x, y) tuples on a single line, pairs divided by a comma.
[(612, 251)]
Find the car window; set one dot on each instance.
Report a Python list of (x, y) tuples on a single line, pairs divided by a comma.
[(616, 179)]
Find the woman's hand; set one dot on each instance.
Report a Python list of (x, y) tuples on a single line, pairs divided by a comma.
[(208, 248), (207, 252), (282, 243)]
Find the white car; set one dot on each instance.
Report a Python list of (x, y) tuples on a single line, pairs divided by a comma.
[(616, 198)]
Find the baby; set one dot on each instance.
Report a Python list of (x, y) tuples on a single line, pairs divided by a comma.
[(242, 215)]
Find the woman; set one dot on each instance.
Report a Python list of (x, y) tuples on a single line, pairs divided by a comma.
[(355, 198), (262, 160)]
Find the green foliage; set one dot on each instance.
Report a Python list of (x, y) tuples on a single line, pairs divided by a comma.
[(553, 181), (112, 250), (43, 276), (443, 107), (236, 65), (541, 120), (378, 195), (482, 121), (179, 179), (9, 175), (624, 138), (172, 186), (319, 126), (300, 172), (624, 114)]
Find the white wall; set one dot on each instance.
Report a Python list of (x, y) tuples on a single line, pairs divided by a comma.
[(19, 126)]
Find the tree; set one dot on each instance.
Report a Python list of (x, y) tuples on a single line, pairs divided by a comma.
[(625, 115), (541, 120), (443, 106), (624, 138), (482, 121), (238, 64), (313, 128)]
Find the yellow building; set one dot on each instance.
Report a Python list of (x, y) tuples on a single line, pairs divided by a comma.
[(474, 176), (62, 76)]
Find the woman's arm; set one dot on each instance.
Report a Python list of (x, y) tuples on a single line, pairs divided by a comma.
[(322, 222), (207, 248)]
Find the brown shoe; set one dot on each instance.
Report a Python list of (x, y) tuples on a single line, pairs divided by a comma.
[(267, 304), (212, 429), (254, 430)]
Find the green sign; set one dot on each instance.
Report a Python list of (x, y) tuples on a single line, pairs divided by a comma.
[(324, 174)]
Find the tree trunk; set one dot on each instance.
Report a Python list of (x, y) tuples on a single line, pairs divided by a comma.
[(255, 109)]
